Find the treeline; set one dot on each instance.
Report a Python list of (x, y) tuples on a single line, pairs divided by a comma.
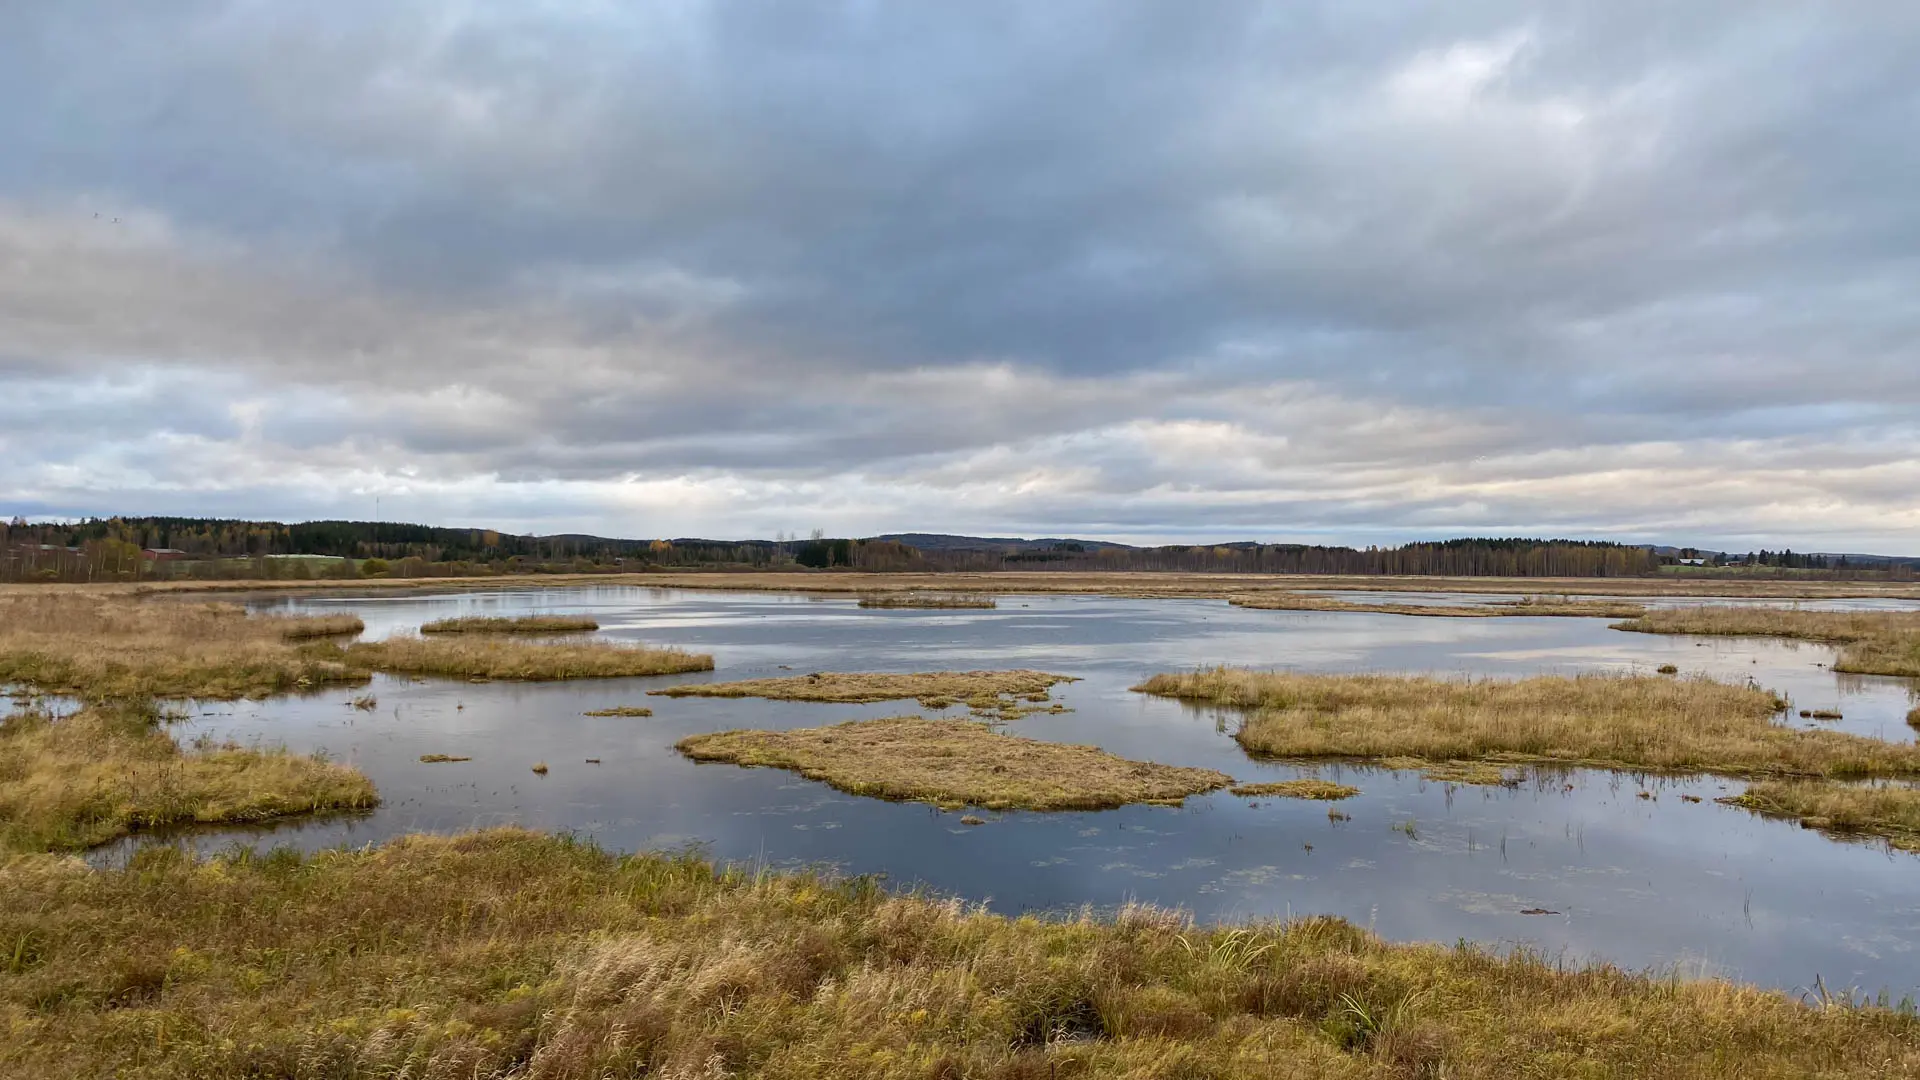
[(168, 547)]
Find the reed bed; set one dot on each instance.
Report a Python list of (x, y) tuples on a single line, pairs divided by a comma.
[(116, 648), (1871, 642), (521, 624), (520, 660), (1531, 605), (955, 763), (307, 627), (1603, 721), (1324, 790), (1888, 811), (927, 600), (75, 781), (932, 689), (506, 955)]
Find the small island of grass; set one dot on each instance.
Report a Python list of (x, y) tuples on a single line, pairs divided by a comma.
[(521, 660), (1325, 790), (956, 763), (1888, 812), (985, 690), (523, 624), (927, 600), (1870, 642)]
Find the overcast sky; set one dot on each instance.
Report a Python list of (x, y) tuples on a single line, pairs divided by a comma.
[(1350, 272)]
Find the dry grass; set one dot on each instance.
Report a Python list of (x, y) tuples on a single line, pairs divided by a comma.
[(1325, 790), (510, 956), (956, 763), (1531, 605), (622, 710), (436, 759), (119, 648), (306, 627), (1604, 721), (1890, 812), (927, 600), (984, 690), (521, 660), (81, 780), (522, 624), (1872, 642)]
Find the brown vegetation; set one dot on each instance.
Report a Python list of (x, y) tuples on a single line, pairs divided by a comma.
[(1604, 721), (621, 710), (955, 763), (986, 690), (522, 624), (927, 600), (1325, 790), (435, 759), (1531, 605), (1872, 642), (520, 660), (505, 954), (75, 781), (1888, 811)]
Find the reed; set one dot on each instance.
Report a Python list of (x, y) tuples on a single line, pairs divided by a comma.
[(1888, 811), (485, 658), (1604, 721), (76, 781), (506, 954), (1871, 642), (523, 624), (955, 763)]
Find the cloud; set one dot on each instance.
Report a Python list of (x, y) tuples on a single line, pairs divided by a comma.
[(706, 268)]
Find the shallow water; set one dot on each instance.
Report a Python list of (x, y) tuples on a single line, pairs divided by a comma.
[(1651, 881)]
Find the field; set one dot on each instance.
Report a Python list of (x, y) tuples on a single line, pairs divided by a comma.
[(505, 954)]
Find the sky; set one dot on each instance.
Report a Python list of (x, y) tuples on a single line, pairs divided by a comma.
[(1348, 272)]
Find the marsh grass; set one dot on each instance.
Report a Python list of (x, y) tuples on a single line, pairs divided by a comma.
[(436, 759), (621, 710), (927, 600), (1871, 642), (75, 781), (955, 763), (117, 648), (1530, 605), (1325, 790), (305, 627), (505, 954), (484, 658), (1603, 721), (1888, 811), (523, 624), (996, 692)]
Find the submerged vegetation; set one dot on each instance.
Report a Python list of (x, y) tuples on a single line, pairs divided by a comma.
[(955, 763), (74, 781), (983, 690), (1530, 605), (1603, 721), (1890, 812), (927, 600), (1325, 790), (505, 954), (1871, 642), (521, 624), (530, 661)]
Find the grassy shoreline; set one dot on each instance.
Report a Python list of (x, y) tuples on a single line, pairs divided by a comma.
[(507, 954), (1535, 606), (1890, 813), (1870, 642), (955, 764)]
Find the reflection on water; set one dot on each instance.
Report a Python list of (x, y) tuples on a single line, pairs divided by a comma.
[(1630, 868)]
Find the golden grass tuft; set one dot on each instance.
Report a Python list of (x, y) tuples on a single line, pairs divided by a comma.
[(72, 782), (305, 627), (1888, 811), (927, 600), (991, 691), (621, 710), (1603, 721), (506, 954), (436, 759), (1871, 642), (954, 763), (1325, 790), (522, 624), (520, 660)]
